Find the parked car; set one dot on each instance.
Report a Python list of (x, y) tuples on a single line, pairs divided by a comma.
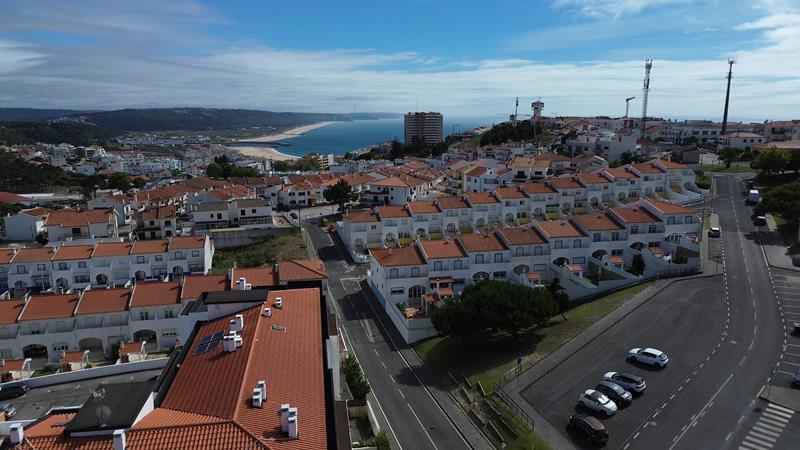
[(596, 401), (14, 391), (592, 428), (796, 380), (760, 221), (8, 409), (628, 381), (615, 392), (649, 356), (714, 232), (796, 328), (293, 215)]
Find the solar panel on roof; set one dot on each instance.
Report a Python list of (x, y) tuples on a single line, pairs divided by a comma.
[(213, 345), (218, 335), (201, 349), (205, 339)]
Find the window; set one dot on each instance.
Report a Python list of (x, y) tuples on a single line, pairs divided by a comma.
[(167, 223), (397, 291), (178, 255), (670, 220), (152, 223), (596, 237), (60, 347), (252, 211), (653, 244), (520, 251), (195, 253), (415, 271), (81, 278), (459, 281), (579, 260), (159, 257), (393, 273), (168, 314), (559, 244), (140, 260), (538, 250), (498, 257), (457, 264), (41, 267), (496, 275), (437, 265), (21, 269), (651, 229), (616, 252), (5, 353), (634, 229), (687, 219), (168, 332), (63, 266), (576, 243), (76, 231), (81, 264), (615, 235), (479, 259), (144, 315), (243, 212), (219, 216)]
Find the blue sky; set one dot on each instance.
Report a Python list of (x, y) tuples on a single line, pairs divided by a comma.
[(464, 58)]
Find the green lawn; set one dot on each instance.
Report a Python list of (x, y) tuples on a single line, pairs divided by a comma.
[(722, 169), (288, 246)]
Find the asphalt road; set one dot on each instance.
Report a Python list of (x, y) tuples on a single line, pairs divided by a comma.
[(415, 420), (722, 333), (40, 400)]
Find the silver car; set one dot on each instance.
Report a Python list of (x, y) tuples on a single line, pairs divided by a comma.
[(649, 356), (597, 401), (627, 381)]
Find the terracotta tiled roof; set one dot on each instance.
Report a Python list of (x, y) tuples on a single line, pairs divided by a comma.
[(195, 285), (364, 216), (672, 165), (33, 255), (478, 198), (393, 257), (451, 202), (559, 229), (537, 187), (533, 276), (9, 311), (10, 197), (482, 242), (564, 183), (390, 182), (142, 247), (164, 212), (40, 307), (112, 249), (132, 347), (423, 207), (449, 248), (477, 171), (620, 173), (156, 293), (634, 214), (186, 242), (35, 212), (597, 222), (302, 269), (392, 211), (509, 192), (666, 207), (593, 178), (73, 218), (647, 167), (257, 276), (10, 365), (160, 417), (70, 252), (521, 235), (95, 301), (73, 357), (6, 254)]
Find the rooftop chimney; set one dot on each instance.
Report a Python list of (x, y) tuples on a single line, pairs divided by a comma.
[(16, 433), (278, 302), (228, 344), (293, 426), (258, 399), (119, 440), (262, 387), (284, 412), (237, 324), (267, 312)]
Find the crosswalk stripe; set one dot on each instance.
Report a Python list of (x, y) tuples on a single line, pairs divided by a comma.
[(779, 408), (757, 444), (769, 426), (773, 416), (779, 413), (775, 423), (765, 431), (757, 435), (750, 446)]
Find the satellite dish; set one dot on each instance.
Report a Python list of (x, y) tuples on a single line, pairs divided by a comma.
[(103, 413)]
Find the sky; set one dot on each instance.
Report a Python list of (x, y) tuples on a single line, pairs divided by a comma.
[(460, 57)]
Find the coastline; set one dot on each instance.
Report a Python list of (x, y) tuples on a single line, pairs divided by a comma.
[(288, 134), (265, 153)]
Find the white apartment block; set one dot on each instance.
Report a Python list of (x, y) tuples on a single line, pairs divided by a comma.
[(103, 264), (122, 204), (69, 224), (25, 225), (249, 213)]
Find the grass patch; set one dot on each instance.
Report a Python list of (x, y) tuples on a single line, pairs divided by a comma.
[(46, 370), (722, 169), (288, 246), (702, 180)]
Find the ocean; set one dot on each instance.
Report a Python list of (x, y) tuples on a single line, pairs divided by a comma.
[(341, 137)]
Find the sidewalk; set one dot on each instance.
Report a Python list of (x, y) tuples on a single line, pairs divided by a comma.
[(775, 251), (516, 386)]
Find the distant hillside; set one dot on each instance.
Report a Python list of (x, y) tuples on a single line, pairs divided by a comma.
[(71, 132), (202, 119), (20, 114)]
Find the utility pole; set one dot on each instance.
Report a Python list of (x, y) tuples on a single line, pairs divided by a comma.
[(628, 104), (731, 62), (648, 64)]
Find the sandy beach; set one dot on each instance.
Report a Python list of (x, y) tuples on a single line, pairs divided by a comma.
[(270, 152), (288, 134)]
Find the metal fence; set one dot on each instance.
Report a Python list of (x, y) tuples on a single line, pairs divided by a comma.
[(506, 398)]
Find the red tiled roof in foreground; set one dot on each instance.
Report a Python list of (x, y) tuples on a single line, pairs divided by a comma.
[(41, 307), (156, 293), (96, 301), (395, 257), (9, 310), (195, 285), (290, 361)]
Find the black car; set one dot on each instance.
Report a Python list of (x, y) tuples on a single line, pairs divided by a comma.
[(760, 221), (615, 392), (590, 427), (15, 391)]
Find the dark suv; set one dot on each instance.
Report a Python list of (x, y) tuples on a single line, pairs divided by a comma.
[(590, 427), (15, 391)]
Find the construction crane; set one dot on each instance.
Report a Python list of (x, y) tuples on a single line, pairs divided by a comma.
[(648, 64), (627, 104), (731, 62)]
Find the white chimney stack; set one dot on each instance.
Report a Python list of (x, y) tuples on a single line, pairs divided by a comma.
[(284, 411), (119, 439), (16, 433), (239, 322), (238, 341), (293, 426), (267, 312), (258, 399), (278, 302), (262, 386), (228, 344)]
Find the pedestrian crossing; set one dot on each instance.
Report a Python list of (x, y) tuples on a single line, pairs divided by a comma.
[(767, 430)]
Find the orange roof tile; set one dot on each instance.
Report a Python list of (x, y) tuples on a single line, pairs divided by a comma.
[(186, 242), (366, 215), (112, 249), (597, 222), (482, 242), (559, 229), (665, 207), (257, 276), (161, 417), (131, 347), (423, 207), (620, 173), (478, 198), (156, 293), (70, 252), (634, 214), (302, 269), (521, 235), (33, 255), (10, 365), (142, 247), (73, 357), (593, 178), (394, 257), (163, 212), (451, 203), (449, 248), (647, 167), (6, 254), (533, 276), (195, 285), (73, 218), (673, 165), (40, 307), (97, 301), (509, 192), (564, 183), (392, 211), (9, 311), (537, 187)]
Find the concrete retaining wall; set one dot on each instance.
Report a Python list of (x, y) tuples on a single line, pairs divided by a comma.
[(87, 374), (238, 237), (411, 330)]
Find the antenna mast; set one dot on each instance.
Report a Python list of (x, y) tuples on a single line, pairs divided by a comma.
[(731, 62), (516, 111), (628, 104), (648, 64)]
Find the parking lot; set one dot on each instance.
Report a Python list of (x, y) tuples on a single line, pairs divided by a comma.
[(685, 320), (787, 289), (40, 400)]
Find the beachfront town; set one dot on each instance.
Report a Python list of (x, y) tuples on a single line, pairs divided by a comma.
[(155, 278)]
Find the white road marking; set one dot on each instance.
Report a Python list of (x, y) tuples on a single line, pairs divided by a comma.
[(422, 426)]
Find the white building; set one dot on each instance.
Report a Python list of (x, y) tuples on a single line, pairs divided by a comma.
[(25, 225), (69, 224), (741, 140)]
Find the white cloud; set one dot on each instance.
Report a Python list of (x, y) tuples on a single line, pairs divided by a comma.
[(611, 8)]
